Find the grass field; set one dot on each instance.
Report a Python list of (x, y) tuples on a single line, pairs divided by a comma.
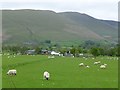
[(65, 72)]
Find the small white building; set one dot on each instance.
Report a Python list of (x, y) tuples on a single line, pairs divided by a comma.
[(55, 53)]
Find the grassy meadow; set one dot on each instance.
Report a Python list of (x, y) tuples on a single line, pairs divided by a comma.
[(64, 72)]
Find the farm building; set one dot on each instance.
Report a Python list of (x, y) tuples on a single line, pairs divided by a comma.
[(30, 52), (55, 53), (45, 52)]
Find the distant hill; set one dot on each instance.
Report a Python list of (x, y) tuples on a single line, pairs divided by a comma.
[(35, 26)]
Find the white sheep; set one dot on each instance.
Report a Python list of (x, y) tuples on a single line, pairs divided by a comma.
[(102, 66), (12, 72), (46, 75), (81, 64), (84, 57), (98, 62), (95, 63), (87, 66), (8, 56), (105, 64), (51, 57)]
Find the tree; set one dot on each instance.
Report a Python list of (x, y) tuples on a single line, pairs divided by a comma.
[(112, 52), (95, 51), (118, 51), (73, 51), (37, 50), (101, 51), (23, 49), (48, 41), (63, 50)]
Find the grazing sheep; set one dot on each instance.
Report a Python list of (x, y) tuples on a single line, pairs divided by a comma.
[(51, 57), (98, 62), (46, 75), (81, 64), (87, 66), (12, 72), (105, 64), (84, 57), (102, 66), (117, 58), (95, 63), (8, 56)]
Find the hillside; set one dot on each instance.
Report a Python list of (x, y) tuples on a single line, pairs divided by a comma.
[(35, 26)]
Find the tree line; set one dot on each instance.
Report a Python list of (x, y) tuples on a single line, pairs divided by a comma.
[(75, 50)]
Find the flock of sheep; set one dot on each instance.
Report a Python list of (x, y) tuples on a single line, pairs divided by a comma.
[(102, 66), (47, 75)]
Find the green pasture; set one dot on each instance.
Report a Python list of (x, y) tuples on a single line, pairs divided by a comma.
[(64, 72)]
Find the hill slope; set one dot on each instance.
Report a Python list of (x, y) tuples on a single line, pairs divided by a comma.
[(34, 26)]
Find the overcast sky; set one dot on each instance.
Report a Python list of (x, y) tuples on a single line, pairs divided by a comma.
[(101, 9)]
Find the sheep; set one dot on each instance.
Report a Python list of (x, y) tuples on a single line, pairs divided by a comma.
[(12, 72), (117, 58), (51, 57), (95, 63), (8, 56), (105, 64), (102, 66), (84, 57), (87, 66), (46, 75), (98, 62), (81, 64)]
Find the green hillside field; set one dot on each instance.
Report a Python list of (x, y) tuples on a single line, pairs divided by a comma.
[(64, 71), (34, 26)]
